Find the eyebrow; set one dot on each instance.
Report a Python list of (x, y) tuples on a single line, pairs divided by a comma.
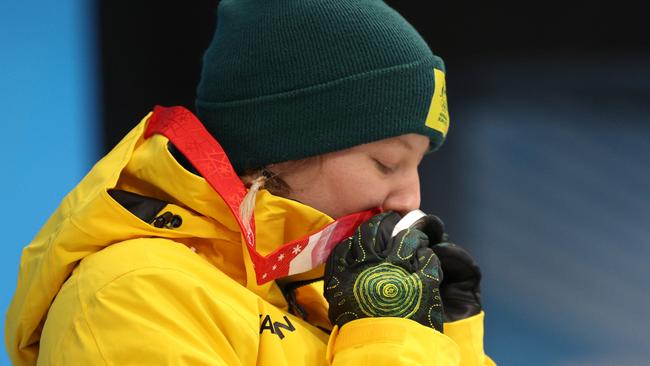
[(406, 144)]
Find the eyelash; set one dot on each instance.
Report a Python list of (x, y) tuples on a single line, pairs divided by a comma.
[(383, 167)]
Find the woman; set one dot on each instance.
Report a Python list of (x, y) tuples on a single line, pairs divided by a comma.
[(176, 249)]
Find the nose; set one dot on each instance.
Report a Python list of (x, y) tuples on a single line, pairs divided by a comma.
[(405, 196)]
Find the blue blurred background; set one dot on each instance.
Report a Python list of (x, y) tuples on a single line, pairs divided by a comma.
[(48, 98), (544, 175)]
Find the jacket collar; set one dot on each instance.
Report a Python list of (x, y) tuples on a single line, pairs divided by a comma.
[(153, 170)]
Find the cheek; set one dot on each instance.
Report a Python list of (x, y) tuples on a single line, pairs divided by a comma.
[(353, 192)]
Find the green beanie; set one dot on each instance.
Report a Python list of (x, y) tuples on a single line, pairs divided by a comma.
[(288, 79)]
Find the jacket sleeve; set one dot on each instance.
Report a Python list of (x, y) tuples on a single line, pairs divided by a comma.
[(156, 316), (396, 341), (390, 341), (468, 335)]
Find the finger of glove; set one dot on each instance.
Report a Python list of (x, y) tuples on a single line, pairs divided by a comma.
[(403, 247), (337, 276), (373, 236), (339, 258), (429, 272), (428, 265), (460, 303), (456, 262), (432, 226), (461, 295)]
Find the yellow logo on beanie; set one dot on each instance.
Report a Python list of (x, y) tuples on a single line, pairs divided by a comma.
[(438, 117)]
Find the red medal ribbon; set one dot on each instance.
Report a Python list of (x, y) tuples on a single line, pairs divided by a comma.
[(191, 138)]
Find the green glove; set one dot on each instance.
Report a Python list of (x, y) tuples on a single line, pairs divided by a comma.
[(373, 275)]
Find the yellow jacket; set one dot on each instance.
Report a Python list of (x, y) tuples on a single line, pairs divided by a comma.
[(100, 284)]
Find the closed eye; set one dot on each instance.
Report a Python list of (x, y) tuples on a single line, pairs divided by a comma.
[(383, 168)]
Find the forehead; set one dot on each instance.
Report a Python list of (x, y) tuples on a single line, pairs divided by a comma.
[(411, 142)]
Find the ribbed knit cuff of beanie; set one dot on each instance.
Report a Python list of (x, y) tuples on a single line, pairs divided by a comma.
[(284, 80)]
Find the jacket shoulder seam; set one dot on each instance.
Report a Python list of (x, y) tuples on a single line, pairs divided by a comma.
[(84, 318)]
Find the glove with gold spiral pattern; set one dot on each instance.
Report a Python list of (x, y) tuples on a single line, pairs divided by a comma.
[(372, 274)]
